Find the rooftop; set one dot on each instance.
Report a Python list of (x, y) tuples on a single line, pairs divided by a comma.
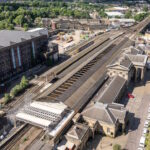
[(114, 13), (139, 60), (123, 61), (112, 91), (77, 131), (108, 113), (8, 38)]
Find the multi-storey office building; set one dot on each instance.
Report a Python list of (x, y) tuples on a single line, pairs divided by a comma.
[(19, 51)]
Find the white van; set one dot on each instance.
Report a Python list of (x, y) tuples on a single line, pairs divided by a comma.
[(142, 142)]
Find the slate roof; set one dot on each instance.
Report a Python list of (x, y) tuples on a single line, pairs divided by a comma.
[(8, 38), (134, 51), (122, 61), (108, 113), (138, 59), (77, 131), (112, 91)]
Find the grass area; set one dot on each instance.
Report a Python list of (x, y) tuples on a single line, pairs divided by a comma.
[(147, 142)]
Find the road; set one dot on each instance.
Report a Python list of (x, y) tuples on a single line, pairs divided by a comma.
[(138, 108)]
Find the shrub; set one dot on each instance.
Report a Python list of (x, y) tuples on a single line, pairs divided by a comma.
[(117, 147)]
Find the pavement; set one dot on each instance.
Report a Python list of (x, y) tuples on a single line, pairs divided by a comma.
[(138, 108)]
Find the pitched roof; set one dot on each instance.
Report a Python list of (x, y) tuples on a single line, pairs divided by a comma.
[(121, 61), (108, 113), (8, 38), (77, 131), (112, 91), (99, 112), (134, 51), (138, 59)]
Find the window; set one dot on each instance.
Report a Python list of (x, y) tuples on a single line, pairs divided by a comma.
[(108, 130)]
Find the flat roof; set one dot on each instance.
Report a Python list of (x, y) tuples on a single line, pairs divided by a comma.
[(35, 120), (11, 37), (114, 13), (56, 108)]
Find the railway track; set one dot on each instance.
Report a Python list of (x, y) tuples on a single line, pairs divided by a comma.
[(76, 76), (10, 143)]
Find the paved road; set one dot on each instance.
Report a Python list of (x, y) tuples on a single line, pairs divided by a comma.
[(138, 107)]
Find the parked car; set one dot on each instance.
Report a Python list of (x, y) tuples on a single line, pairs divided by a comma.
[(145, 131), (146, 124), (149, 110), (148, 117), (142, 142), (140, 148)]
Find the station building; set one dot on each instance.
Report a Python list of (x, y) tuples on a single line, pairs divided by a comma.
[(20, 50), (131, 65), (108, 117)]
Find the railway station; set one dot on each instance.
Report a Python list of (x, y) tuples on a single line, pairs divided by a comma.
[(85, 98)]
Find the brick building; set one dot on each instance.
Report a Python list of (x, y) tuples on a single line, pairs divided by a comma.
[(19, 51)]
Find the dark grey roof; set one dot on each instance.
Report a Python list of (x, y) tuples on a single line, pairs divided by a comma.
[(99, 112), (138, 59), (134, 51), (77, 131), (108, 113), (122, 60), (111, 93), (125, 62), (118, 111), (10, 37)]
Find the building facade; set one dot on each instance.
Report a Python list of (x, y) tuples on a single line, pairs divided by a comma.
[(19, 51)]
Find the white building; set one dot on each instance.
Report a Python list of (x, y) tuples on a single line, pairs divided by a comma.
[(114, 14)]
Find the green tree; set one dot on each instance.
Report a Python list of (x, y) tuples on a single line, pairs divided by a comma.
[(117, 147), (25, 26), (128, 14), (7, 98), (19, 20), (24, 82), (145, 8), (14, 91)]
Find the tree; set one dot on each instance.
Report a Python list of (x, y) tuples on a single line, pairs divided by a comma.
[(25, 26), (19, 20), (7, 98), (145, 8), (128, 14), (14, 91), (117, 147), (24, 82)]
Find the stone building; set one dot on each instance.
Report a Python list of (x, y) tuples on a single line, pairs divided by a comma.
[(121, 67), (131, 65), (76, 138), (110, 117)]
